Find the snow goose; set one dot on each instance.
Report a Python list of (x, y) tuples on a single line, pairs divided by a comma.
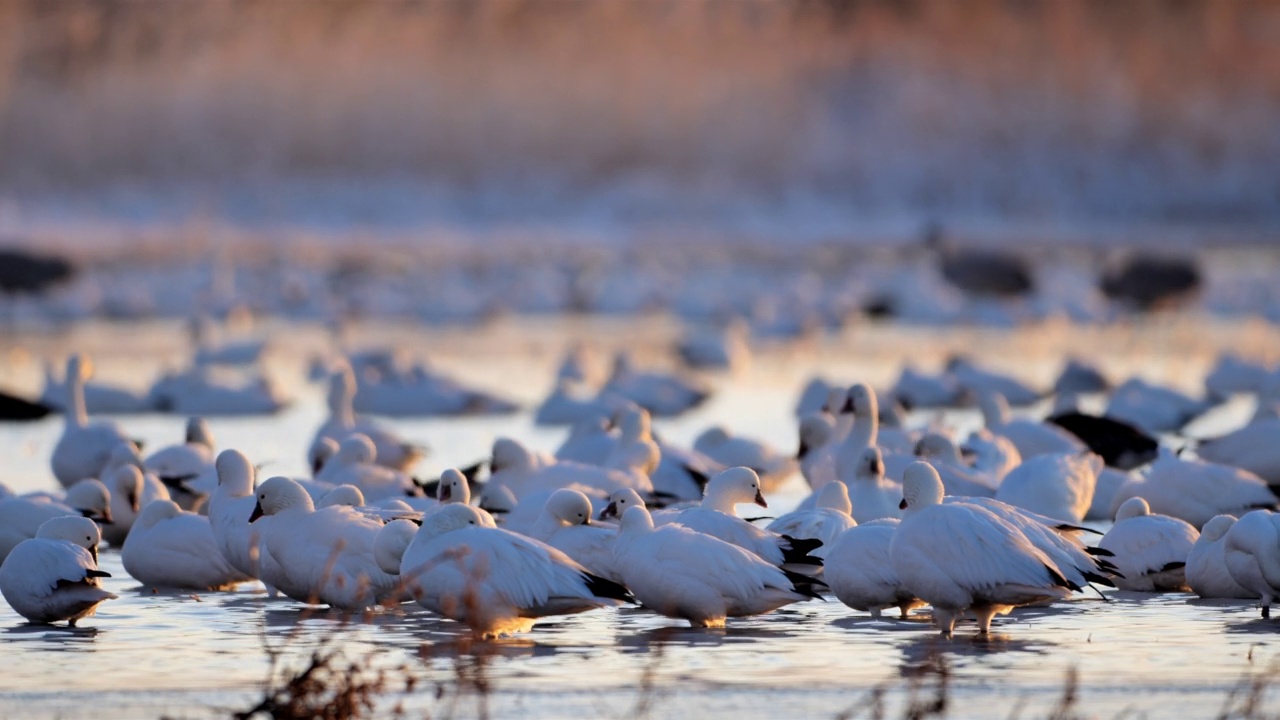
[(716, 516), (1252, 551), (961, 557), (856, 425), (710, 349), (829, 517), (188, 462), (733, 451), (324, 556), (1030, 437), (391, 542), (21, 517), (99, 398), (1057, 485), (916, 390), (54, 576), (355, 463), (565, 524), (682, 473), (229, 508), (1120, 444), (1153, 408), (1195, 491), (203, 390), (1254, 447), (816, 432), (872, 495), (525, 473), (991, 454), (130, 491), (1206, 569), (1150, 550), (859, 570), (813, 396), (680, 573), (590, 441), (957, 477), (85, 447), (341, 495), (391, 452), (661, 394), (1109, 483), (978, 382), (1078, 376), (207, 352), (494, 581), (170, 548)]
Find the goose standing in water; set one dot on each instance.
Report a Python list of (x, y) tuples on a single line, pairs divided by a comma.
[(959, 557), (494, 581), (1252, 552), (54, 576), (85, 447), (825, 521), (21, 517), (859, 570), (1207, 572), (681, 573)]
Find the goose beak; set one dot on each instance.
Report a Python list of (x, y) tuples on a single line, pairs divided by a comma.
[(133, 502), (610, 510), (902, 505), (257, 512), (760, 500), (848, 406), (446, 493), (587, 521), (877, 468), (802, 451)]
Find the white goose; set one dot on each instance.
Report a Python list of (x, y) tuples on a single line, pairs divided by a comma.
[(566, 525), (391, 451), (960, 557), (824, 522), (1206, 569), (1252, 447), (1058, 485), (859, 570), (324, 556), (525, 473), (816, 432), (979, 381), (1252, 551), (189, 464), (54, 576), (716, 516), (957, 477), (680, 573), (1030, 437), (391, 542), (229, 509), (21, 517), (873, 496), (355, 463), (85, 447), (663, 395), (734, 450), (171, 548), (494, 581), (1153, 408), (1195, 491), (1149, 549), (130, 492)]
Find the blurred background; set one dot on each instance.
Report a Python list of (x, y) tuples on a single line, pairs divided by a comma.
[(552, 155)]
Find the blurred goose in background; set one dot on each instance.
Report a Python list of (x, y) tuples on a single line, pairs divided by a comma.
[(1057, 485), (991, 454), (210, 352), (813, 397), (663, 395), (1195, 491), (355, 464), (1079, 377), (1254, 447), (957, 476), (917, 390), (1153, 408), (99, 398), (130, 491), (717, 349), (1233, 375), (735, 450), (1149, 549), (204, 390), (390, 450), (1152, 282), (983, 272), (1206, 570), (1120, 444), (21, 517), (54, 576), (1032, 438), (189, 463), (979, 382), (84, 447)]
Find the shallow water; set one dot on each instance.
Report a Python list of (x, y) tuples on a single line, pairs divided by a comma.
[(186, 655)]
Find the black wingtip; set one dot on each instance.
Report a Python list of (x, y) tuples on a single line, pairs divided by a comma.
[(699, 478), (1061, 581), (1172, 566), (805, 585), (96, 574), (1099, 552), (796, 551), (1067, 527), (605, 588), (1102, 580)]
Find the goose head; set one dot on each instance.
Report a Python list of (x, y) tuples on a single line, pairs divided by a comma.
[(342, 495), (921, 487), (509, 454), (713, 436), (835, 401), (75, 530), (91, 499), (731, 487), (322, 450), (860, 400), (450, 518), (342, 387), (198, 432), (497, 499), (633, 422), (1133, 507), (453, 488), (936, 446), (124, 454), (636, 519), (126, 484), (995, 409), (569, 507), (619, 501), (279, 494), (235, 473), (870, 464), (157, 511)]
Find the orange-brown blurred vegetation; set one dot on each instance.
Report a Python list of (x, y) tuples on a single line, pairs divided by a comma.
[(1149, 108)]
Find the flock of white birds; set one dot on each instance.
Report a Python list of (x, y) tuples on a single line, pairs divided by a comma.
[(899, 517)]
